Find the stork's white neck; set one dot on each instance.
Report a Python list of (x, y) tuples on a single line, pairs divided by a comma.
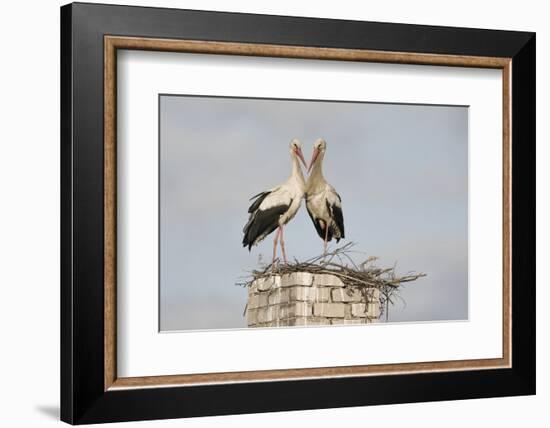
[(297, 170), (317, 169)]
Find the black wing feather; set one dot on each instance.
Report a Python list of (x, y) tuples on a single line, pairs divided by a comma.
[(338, 218), (316, 223), (261, 223), (320, 226), (256, 204)]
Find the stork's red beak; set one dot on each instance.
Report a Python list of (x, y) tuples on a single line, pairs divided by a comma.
[(300, 155), (313, 159)]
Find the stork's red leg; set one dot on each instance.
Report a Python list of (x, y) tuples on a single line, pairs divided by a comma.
[(283, 244), (275, 241), (326, 239)]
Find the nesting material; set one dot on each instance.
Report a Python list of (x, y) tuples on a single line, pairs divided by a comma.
[(325, 290)]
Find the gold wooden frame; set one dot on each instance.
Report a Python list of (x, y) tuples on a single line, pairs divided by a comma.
[(112, 43)]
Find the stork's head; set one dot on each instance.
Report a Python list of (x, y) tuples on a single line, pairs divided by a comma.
[(296, 150), (319, 149)]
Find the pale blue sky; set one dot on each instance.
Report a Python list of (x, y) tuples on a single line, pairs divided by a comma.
[(402, 172)]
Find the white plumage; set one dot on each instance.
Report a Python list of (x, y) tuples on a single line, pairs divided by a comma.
[(323, 203), (274, 208)]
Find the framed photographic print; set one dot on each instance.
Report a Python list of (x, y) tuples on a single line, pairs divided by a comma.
[(265, 213)]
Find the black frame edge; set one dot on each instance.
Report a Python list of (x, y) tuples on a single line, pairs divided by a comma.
[(66, 130), (298, 30), (524, 213)]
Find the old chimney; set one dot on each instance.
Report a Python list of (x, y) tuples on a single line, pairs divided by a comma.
[(303, 298)]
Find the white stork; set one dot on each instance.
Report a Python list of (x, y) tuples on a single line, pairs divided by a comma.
[(274, 208), (323, 204)]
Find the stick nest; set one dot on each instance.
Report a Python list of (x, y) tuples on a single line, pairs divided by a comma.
[(340, 262)]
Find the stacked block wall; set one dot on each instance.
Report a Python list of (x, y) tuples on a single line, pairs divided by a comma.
[(302, 298)]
